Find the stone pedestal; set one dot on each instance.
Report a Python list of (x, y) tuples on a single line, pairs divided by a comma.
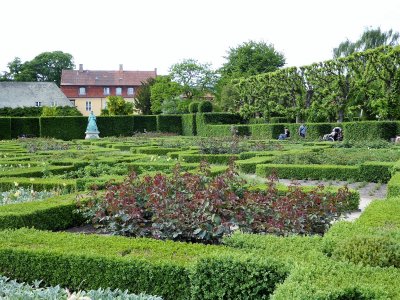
[(92, 135)]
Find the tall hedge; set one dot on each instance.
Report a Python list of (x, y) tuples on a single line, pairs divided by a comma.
[(189, 124), (370, 130), (169, 123), (65, 128), (5, 128), (144, 123), (25, 125), (115, 125)]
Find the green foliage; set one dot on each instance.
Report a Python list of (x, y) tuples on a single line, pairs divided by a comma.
[(51, 214), (394, 186), (194, 107), (142, 100), (60, 111), (25, 126), (169, 123), (115, 125), (37, 184), (117, 106), (46, 66), (5, 125), (65, 128), (194, 78), (163, 89), (189, 124), (175, 105), (29, 111), (371, 38), (236, 277), (252, 58), (205, 106), (144, 123), (371, 130)]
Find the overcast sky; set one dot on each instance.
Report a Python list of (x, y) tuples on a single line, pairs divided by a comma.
[(148, 34)]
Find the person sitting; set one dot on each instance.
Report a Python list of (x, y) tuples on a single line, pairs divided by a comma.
[(337, 134), (284, 135)]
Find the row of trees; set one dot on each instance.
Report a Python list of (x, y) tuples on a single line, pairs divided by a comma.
[(364, 84)]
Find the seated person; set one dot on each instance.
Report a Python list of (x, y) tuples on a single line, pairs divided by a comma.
[(285, 134)]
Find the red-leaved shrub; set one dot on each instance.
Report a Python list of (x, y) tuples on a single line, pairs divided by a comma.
[(198, 207)]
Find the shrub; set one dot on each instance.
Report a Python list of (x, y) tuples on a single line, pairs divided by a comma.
[(144, 123), (169, 123), (189, 124), (5, 125), (194, 107), (25, 126), (197, 207), (205, 106), (64, 128)]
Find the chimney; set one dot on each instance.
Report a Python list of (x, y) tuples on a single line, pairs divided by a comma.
[(80, 67), (121, 68)]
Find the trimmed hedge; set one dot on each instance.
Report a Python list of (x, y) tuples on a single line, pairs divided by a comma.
[(169, 123), (223, 277), (249, 165), (370, 130), (375, 171), (35, 171), (5, 128), (309, 171), (24, 126), (210, 158), (64, 128), (115, 125), (172, 270), (194, 107), (205, 106), (189, 124), (393, 187), (55, 213), (144, 123), (37, 184), (266, 131)]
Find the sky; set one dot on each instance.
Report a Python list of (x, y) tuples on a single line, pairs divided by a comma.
[(148, 34)]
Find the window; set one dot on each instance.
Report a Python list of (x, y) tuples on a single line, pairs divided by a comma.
[(106, 91), (131, 91), (38, 104), (118, 91), (54, 103), (72, 102), (88, 105), (82, 91)]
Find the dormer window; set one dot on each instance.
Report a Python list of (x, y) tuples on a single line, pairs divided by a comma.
[(82, 91)]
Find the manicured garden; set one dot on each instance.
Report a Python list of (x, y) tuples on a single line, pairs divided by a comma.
[(200, 217)]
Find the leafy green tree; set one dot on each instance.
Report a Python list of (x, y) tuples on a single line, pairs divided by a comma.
[(370, 39), (117, 106), (60, 111), (143, 97), (47, 66), (252, 58), (195, 78), (163, 89)]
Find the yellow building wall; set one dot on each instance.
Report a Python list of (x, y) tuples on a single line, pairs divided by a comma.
[(97, 105)]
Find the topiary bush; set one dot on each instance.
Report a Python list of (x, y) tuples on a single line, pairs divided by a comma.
[(205, 106), (194, 107)]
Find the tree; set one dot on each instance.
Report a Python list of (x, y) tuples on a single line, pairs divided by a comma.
[(163, 89), (251, 58), (370, 39), (195, 78), (143, 97), (47, 66), (117, 106)]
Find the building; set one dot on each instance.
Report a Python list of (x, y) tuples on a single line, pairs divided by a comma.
[(88, 90), (20, 94)]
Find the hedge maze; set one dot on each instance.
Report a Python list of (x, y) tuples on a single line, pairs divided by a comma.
[(352, 260)]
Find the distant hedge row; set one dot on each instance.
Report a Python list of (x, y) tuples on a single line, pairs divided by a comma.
[(202, 124)]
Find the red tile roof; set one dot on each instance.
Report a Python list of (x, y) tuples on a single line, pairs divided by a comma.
[(112, 78)]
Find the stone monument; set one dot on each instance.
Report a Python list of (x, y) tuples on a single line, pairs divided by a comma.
[(91, 131)]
